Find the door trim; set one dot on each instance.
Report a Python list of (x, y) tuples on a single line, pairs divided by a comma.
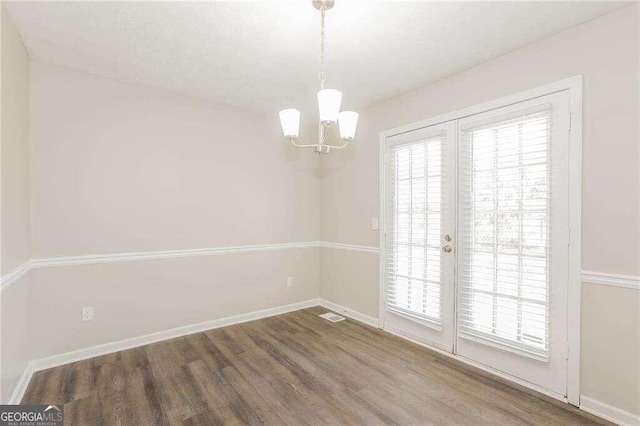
[(574, 86)]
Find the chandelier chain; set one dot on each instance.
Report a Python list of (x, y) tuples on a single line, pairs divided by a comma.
[(322, 74)]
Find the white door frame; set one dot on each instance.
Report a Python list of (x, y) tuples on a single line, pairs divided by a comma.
[(574, 86)]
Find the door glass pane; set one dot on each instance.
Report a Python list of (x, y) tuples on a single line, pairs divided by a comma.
[(414, 270), (504, 252)]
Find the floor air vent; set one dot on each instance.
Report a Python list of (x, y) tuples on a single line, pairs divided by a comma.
[(332, 317)]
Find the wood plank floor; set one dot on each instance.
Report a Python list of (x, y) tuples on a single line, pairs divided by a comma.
[(291, 369)]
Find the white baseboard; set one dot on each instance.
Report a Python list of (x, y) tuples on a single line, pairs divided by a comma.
[(587, 404), (608, 412), (21, 387), (107, 348), (347, 312)]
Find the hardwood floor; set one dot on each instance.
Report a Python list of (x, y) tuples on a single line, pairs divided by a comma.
[(291, 369)]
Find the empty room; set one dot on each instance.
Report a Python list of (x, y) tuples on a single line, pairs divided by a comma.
[(306, 212)]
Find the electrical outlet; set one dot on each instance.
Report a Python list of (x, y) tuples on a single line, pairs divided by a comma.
[(290, 282), (87, 313), (374, 223)]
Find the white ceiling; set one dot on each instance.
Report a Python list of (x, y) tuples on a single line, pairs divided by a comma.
[(264, 55)]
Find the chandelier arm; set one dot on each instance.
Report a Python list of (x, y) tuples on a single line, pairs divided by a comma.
[(344, 145), (293, 142)]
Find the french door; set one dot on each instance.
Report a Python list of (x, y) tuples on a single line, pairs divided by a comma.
[(420, 212), (476, 238)]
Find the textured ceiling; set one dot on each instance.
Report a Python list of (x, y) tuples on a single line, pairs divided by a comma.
[(264, 55)]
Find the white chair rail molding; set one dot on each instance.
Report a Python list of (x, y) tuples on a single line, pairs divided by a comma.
[(170, 255)]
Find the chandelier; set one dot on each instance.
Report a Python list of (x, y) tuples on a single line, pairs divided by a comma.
[(329, 101)]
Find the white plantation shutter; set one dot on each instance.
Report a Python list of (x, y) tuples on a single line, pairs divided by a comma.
[(415, 209), (504, 232)]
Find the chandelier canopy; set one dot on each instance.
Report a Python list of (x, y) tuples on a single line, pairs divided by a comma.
[(329, 101)]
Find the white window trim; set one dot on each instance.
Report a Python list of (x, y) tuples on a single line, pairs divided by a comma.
[(574, 86)]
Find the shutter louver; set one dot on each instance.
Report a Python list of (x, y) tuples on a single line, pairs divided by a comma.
[(415, 177), (504, 232)]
